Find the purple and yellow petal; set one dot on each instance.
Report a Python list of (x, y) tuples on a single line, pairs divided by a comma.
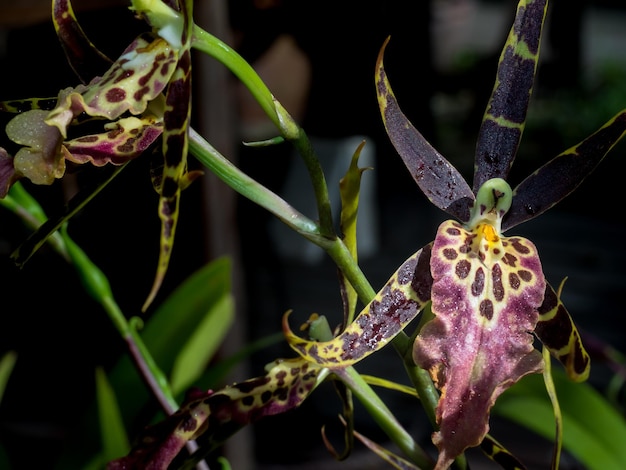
[(485, 294), (559, 334), (136, 78), (398, 302), (124, 140), (215, 416)]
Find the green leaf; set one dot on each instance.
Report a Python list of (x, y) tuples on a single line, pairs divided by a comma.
[(178, 318), (112, 431), (6, 367), (203, 344), (593, 431)]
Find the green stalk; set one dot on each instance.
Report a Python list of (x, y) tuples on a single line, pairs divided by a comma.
[(384, 417), (98, 287), (210, 157), (287, 126)]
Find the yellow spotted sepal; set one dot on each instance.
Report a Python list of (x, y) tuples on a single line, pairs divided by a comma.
[(398, 302)]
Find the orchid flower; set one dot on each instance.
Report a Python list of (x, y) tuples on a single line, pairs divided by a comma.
[(145, 94), (487, 291)]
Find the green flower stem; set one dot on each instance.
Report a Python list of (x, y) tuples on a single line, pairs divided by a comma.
[(320, 188), (253, 190), (384, 417), (97, 286), (150, 371), (287, 126), (214, 47)]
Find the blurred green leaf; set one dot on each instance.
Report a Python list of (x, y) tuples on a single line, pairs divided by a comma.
[(6, 367), (112, 432), (164, 336), (179, 317), (593, 431), (202, 344)]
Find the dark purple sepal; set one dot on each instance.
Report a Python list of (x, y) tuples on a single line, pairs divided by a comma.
[(442, 184), (563, 174), (503, 123)]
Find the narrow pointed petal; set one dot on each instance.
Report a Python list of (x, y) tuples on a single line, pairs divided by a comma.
[(397, 303), (84, 58), (175, 147), (559, 334), (503, 123), (215, 416), (485, 294), (442, 184), (564, 173)]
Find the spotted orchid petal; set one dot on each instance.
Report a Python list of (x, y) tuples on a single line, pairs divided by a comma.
[(139, 76), (396, 304), (175, 146), (124, 140), (485, 294), (213, 417)]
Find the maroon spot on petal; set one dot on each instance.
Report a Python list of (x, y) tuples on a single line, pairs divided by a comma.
[(124, 75), (514, 281), (126, 147), (281, 377), (450, 253), (462, 269), (266, 396), (249, 385), (509, 259), (138, 95), (486, 309), (525, 275), (455, 232), (519, 247), (88, 139), (115, 95), (496, 277), (479, 282), (112, 135), (189, 423)]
